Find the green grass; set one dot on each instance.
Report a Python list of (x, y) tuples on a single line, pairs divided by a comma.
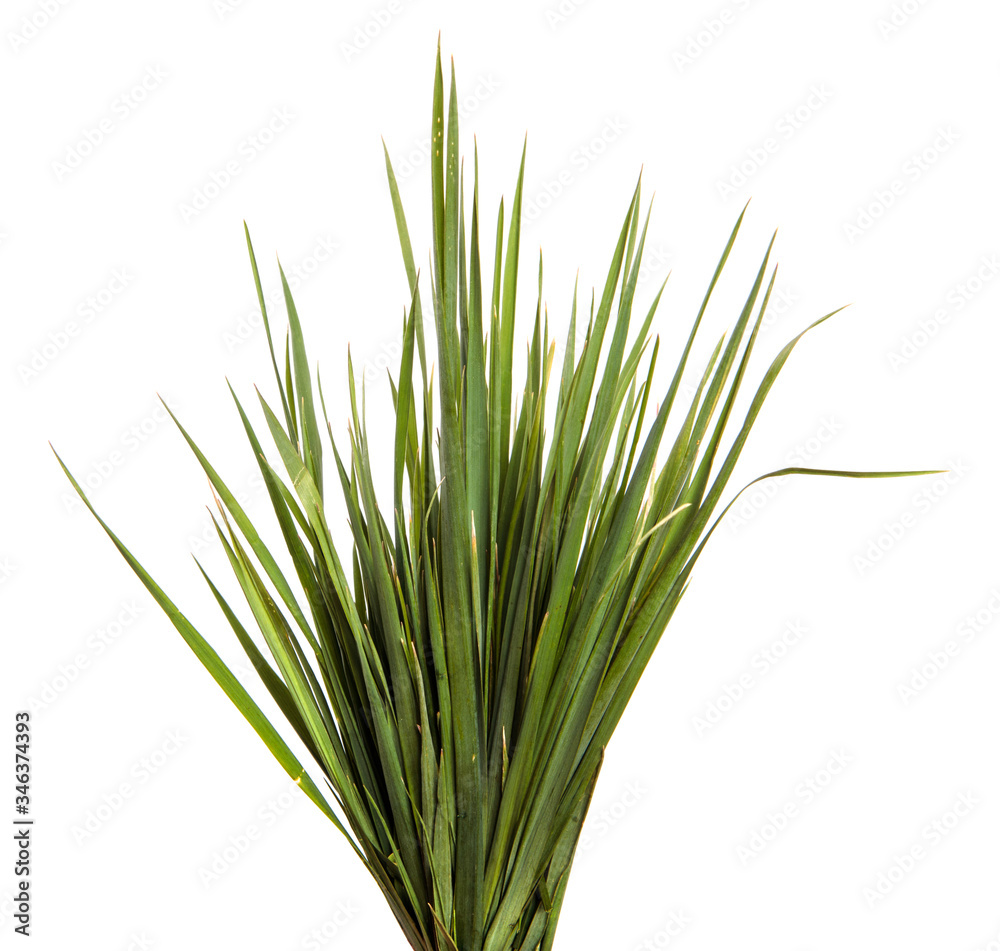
[(456, 677)]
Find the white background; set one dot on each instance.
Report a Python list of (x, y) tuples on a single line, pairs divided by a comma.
[(853, 97)]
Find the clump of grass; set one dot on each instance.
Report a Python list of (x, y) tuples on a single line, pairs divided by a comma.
[(457, 675)]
